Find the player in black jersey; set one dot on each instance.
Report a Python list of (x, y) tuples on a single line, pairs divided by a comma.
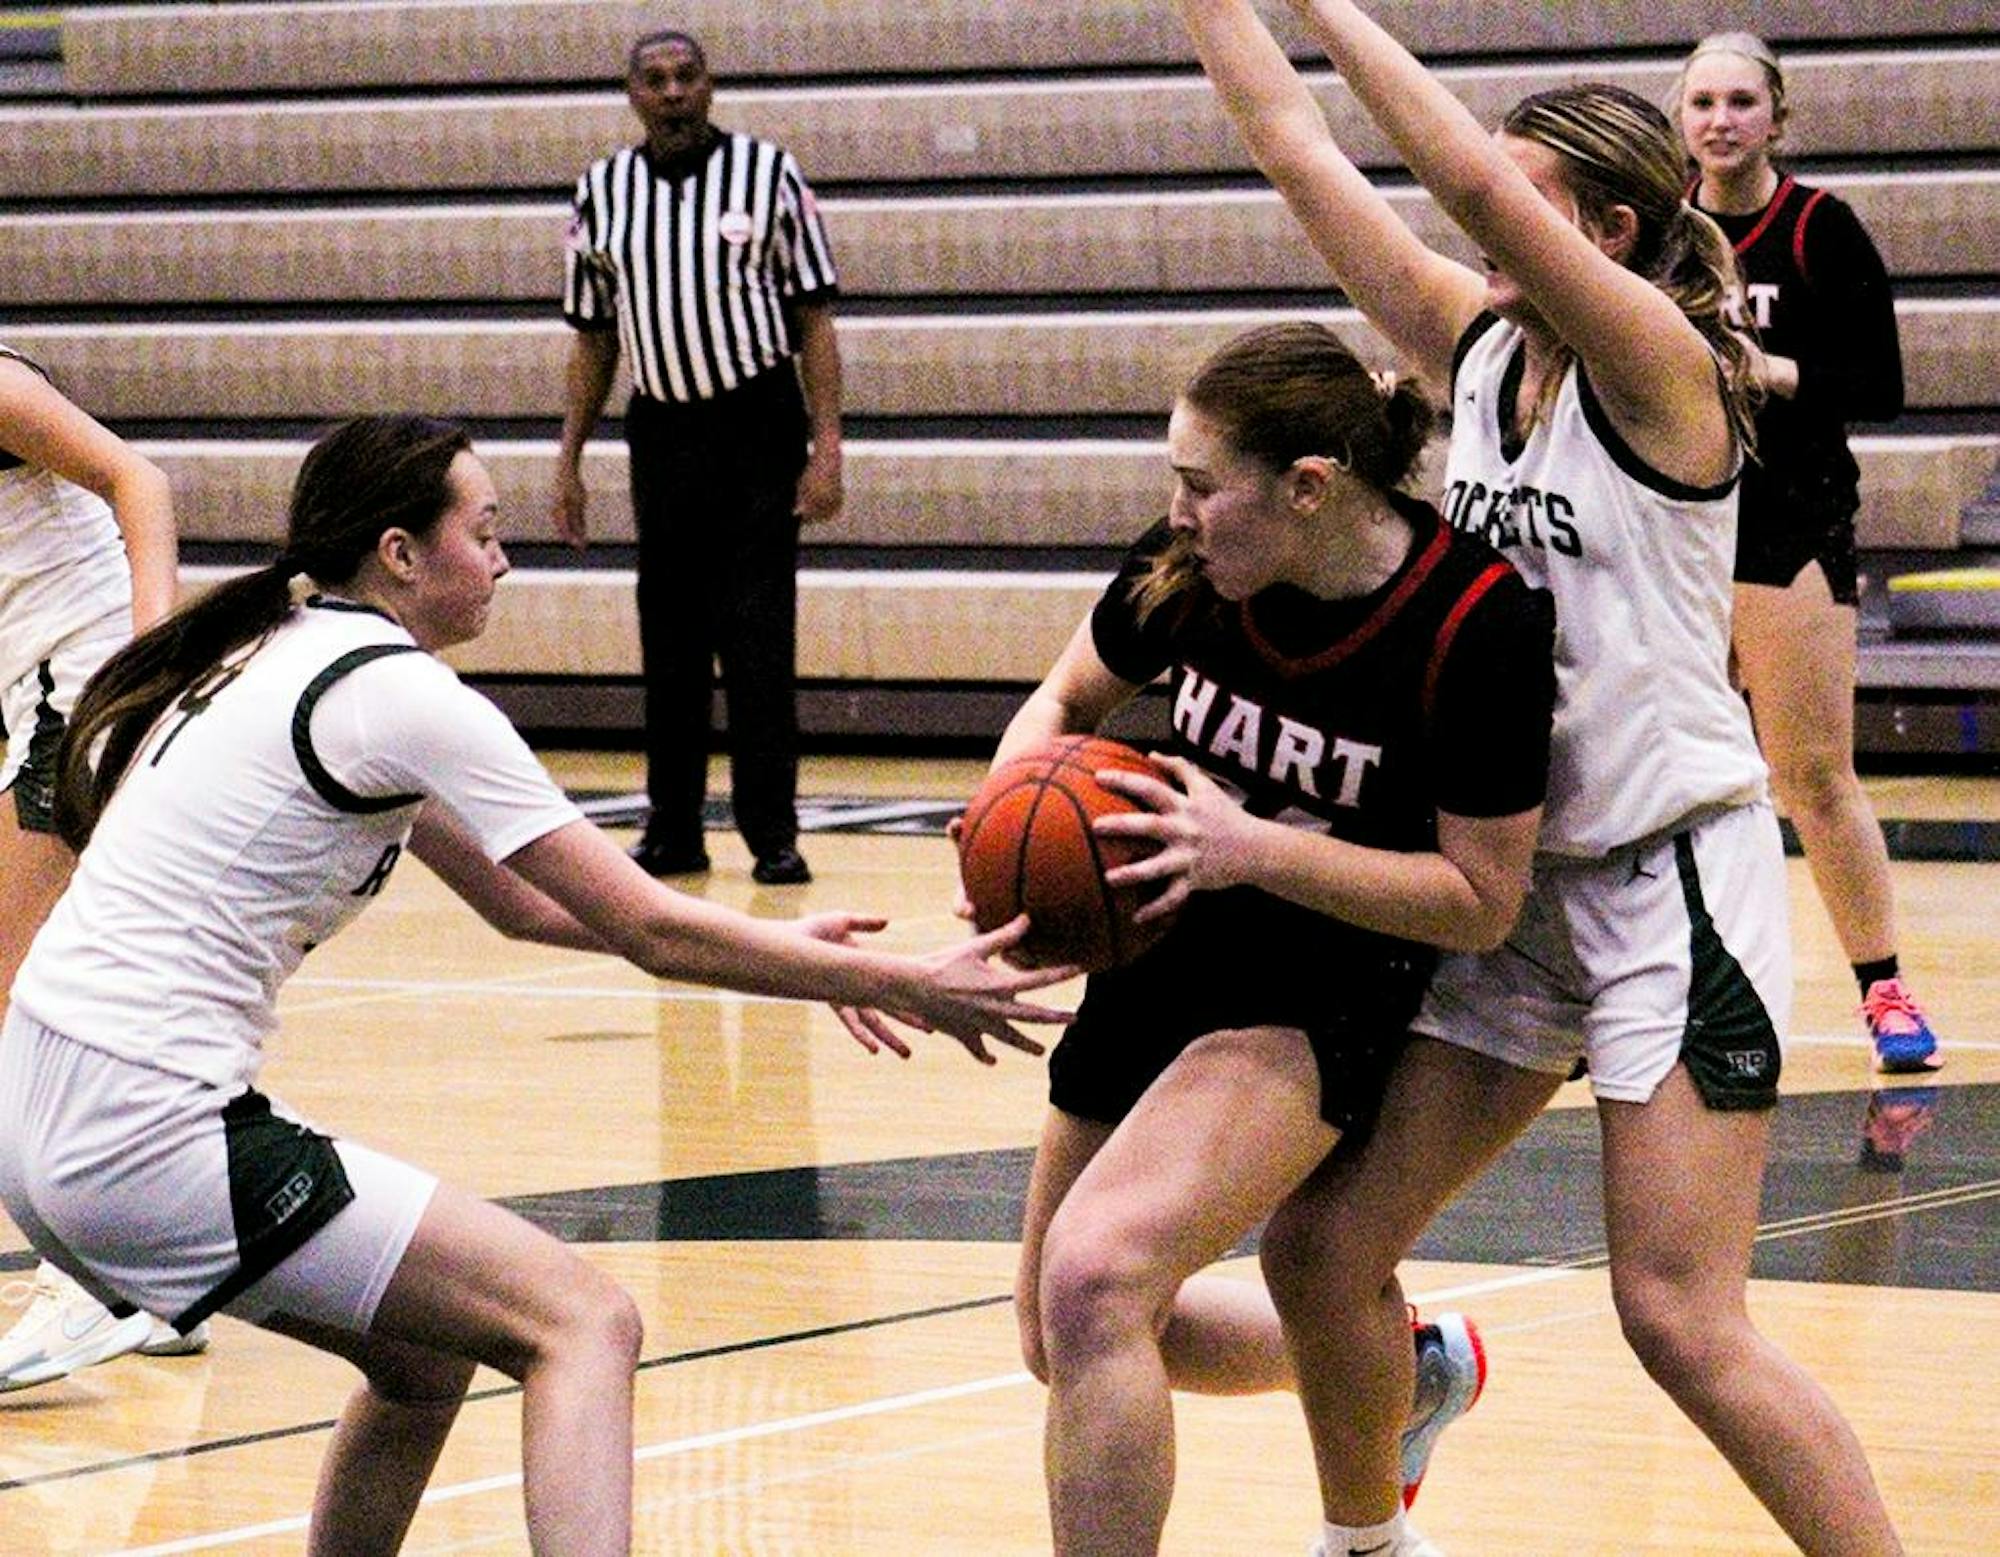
[(1596, 381), (1360, 704), (1817, 294)]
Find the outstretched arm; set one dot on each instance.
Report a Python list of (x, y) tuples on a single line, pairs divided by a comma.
[(1418, 298), (503, 899), (1651, 366), (956, 989)]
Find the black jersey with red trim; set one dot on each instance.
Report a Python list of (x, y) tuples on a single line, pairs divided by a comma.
[(1817, 292), (1361, 718)]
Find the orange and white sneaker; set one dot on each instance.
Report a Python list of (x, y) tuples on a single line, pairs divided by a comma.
[(1904, 1042), (1451, 1372)]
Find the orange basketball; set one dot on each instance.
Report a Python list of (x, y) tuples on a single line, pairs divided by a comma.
[(1026, 846)]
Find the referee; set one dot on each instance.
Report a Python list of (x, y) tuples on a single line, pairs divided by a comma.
[(699, 254)]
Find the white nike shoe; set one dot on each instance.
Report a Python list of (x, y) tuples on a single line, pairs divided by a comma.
[(166, 1341), (62, 1329)]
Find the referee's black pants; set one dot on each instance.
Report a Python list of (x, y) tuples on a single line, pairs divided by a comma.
[(713, 488)]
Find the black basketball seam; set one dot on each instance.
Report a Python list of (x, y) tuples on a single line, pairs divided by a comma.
[(1040, 783), (1072, 756), (1106, 898), (1053, 767), (973, 826)]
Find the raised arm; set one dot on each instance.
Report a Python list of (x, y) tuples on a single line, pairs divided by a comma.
[(41, 425), (1649, 365), (1418, 298)]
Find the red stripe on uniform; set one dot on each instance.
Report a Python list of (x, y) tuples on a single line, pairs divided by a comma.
[(1799, 237), (1785, 187), (1380, 618), (1453, 620)]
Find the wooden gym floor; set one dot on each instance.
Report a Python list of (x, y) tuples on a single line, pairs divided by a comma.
[(822, 1246)]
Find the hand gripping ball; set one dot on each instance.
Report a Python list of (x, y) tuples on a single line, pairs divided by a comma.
[(1026, 845)]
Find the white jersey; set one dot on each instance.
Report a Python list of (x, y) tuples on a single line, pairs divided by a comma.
[(62, 560), (262, 813), (1648, 730)]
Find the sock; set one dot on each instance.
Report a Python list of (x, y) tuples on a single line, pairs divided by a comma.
[(1867, 973), (1382, 1540)]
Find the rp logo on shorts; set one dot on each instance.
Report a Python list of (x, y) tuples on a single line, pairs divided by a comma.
[(1748, 1063), (297, 1190)]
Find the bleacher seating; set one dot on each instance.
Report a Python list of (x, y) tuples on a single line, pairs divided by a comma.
[(245, 220)]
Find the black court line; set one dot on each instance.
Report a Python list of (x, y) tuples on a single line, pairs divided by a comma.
[(500, 1392), (1874, 1216), (1910, 1206)]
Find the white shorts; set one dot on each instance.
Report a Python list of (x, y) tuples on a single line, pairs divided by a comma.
[(37, 703), (170, 1195), (1673, 950)]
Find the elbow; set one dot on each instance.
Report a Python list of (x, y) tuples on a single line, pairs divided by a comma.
[(138, 485), (1485, 928), (153, 479)]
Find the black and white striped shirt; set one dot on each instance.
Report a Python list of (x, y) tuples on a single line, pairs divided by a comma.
[(694, 263)]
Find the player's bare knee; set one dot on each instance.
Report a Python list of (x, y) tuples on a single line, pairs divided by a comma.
[(1028, 1326), (1676, 1337), (603, 1319), (1034, 1356), (590, 1319), (1091, 1302)]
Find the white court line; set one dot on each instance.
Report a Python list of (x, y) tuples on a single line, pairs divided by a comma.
[(396, 989), (790, 1424), (658, 1451)]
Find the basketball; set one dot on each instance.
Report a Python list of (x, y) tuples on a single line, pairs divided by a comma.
[(1026, 846)]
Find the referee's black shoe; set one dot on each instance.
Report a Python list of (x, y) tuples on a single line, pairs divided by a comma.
[(658, 858), (784, 867)]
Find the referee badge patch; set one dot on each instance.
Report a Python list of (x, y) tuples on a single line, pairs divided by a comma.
[(735, 227)]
